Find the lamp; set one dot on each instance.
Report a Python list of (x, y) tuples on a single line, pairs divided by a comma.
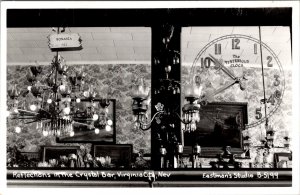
[(141, 100), (166, 87), (191, 108)]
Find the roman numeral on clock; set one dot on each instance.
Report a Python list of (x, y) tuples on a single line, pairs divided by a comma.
[(218, 48)]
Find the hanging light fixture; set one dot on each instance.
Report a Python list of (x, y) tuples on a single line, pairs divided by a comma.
[(53, 101), (47, 99), (166, 87), (141, 100)]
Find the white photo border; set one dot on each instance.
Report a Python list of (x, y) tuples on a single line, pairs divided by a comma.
[(150, 4)]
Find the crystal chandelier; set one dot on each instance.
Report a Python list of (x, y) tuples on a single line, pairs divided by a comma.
[(167, 87), (57, 100), (141, 100)]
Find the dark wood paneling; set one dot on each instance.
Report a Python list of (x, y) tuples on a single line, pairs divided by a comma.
[(149, 17)]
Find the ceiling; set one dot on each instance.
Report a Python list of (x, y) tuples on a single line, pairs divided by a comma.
[(100, 45), (277, 38), (130, 44)]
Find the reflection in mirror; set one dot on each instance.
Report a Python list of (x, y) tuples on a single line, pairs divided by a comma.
[(241, 65), (109, 63)]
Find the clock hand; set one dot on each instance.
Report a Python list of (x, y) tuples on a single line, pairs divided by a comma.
[(209, 96), (228, 72), (240, 80), (224, 88)]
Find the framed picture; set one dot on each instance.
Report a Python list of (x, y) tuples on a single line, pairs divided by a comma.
[(104, 128), (120, 155), (221, 125), (55, 152), (283, 160)]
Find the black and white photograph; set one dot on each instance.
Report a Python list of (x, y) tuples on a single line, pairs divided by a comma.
[(151, 97)]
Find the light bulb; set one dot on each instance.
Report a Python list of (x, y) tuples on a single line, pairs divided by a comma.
[(109, 122), (62, 87), (168, 68), (32, 107), (16, 111), (198, 118), (140, 89), (45, 133), (29, 88), (136, 126), (193, 127), (71, 128), (39, 125), (72, 133), (18, 129), (107, 128), (67, 110), (49, 101), (200, 90), (86, 94), (135, 118), (95, 117), (78, 100), (97, 131)]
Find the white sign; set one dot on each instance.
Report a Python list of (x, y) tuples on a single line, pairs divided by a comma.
[(65, 41)]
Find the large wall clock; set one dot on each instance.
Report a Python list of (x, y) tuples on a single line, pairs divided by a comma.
[(241, 68)]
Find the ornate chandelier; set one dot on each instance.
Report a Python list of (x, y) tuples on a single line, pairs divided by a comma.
[(141, 100), (57, 100), (167, 87)]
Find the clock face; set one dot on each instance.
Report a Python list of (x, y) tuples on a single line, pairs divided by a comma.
[(244, 69)]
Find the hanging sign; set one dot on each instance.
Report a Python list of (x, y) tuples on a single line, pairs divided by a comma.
[(65, 42)]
